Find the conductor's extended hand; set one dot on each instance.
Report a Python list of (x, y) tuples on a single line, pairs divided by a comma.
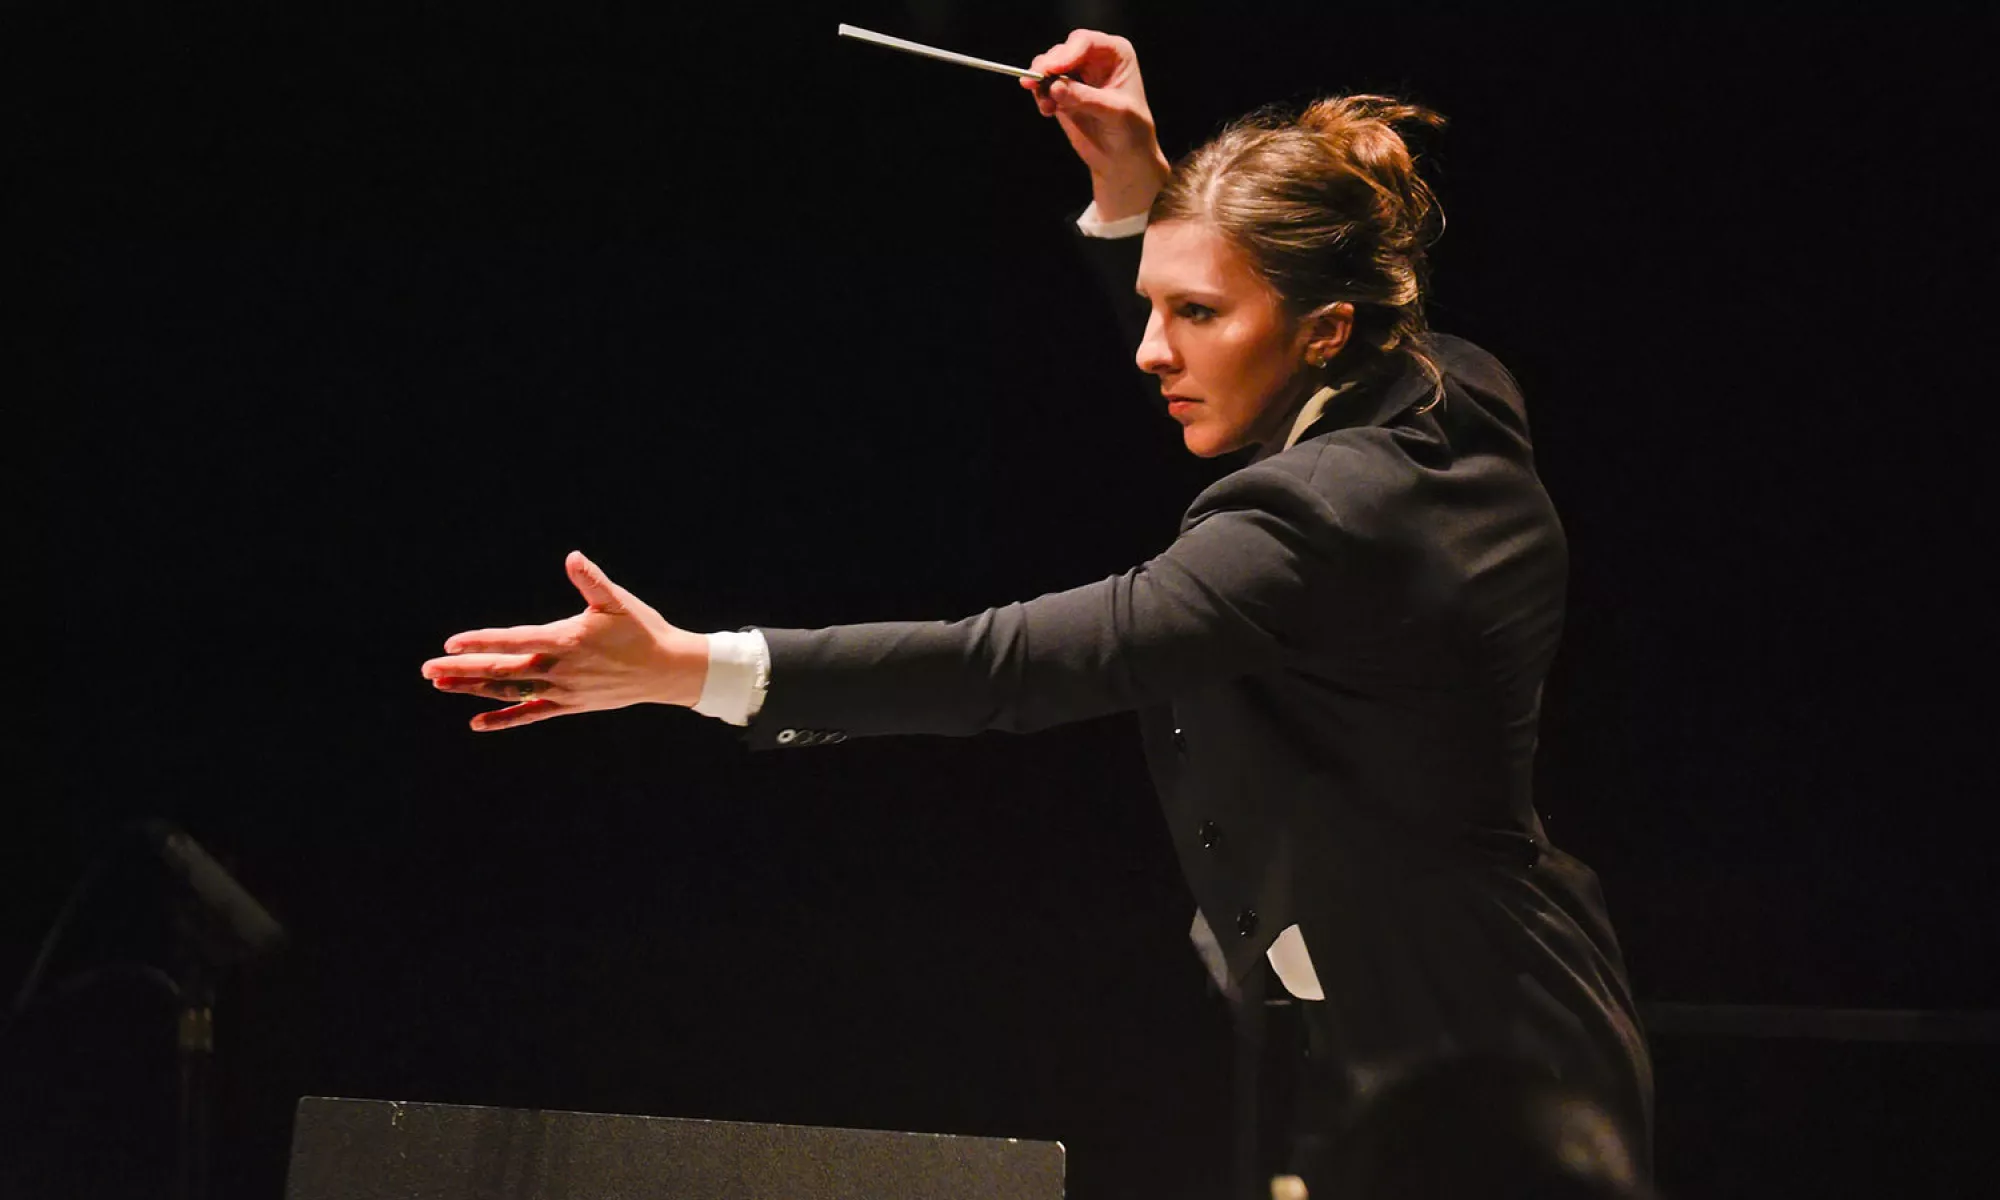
[(1102, 107), (617, 652)]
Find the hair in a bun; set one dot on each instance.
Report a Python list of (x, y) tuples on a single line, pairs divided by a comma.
[(1328, 206)]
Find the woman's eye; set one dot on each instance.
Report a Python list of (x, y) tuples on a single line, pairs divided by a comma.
[(1196, 312)]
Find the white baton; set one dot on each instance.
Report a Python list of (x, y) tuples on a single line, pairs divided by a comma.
[(963, 60)]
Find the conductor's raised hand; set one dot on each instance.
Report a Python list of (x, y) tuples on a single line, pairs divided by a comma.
[(1101, 106), (617, 652)]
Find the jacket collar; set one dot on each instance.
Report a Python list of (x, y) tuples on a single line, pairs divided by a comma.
[(1374, 395)]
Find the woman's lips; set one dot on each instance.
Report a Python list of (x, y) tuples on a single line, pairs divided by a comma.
[(1176, 405)]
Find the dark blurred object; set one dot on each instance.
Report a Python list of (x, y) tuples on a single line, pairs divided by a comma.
[(216, 923), (228, 925), (216, 918), (1480, 1128)]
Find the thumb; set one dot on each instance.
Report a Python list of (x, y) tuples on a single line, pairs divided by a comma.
[(598, 591)]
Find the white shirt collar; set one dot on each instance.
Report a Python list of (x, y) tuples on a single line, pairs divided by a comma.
[(1313, 408)]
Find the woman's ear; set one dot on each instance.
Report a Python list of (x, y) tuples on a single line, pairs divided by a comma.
[(1327, 330)]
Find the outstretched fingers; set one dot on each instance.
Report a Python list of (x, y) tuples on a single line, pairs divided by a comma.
[(500, 689), (489, 666), (525, 713), (517, 639)]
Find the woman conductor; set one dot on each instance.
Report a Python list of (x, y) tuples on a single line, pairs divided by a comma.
[(1337, 663)]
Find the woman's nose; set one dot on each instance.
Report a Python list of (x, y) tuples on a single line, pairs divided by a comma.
[(1155, 356)]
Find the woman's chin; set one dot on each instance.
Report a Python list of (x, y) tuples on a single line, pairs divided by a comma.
[(1204, 442)]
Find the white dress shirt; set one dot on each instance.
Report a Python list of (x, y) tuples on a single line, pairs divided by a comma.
[(739, 674)]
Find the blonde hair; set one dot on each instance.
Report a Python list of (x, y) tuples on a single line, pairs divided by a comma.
[(1328, 207)]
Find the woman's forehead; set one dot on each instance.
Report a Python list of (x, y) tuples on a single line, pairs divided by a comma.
[(1192, 256)]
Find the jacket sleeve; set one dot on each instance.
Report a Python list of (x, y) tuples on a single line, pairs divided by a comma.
[(1114, 263), (1252, 579)]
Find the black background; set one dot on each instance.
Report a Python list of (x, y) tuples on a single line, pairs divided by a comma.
[(367, 315)]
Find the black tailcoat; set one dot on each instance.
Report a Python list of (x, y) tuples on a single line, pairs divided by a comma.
[(1337, 667)]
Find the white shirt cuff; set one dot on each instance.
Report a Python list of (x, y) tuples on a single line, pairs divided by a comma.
[(739, 673), (1089, 225)]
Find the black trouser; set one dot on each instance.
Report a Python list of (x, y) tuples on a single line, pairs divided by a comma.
[(1313, 1090), (1292, 1098)]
